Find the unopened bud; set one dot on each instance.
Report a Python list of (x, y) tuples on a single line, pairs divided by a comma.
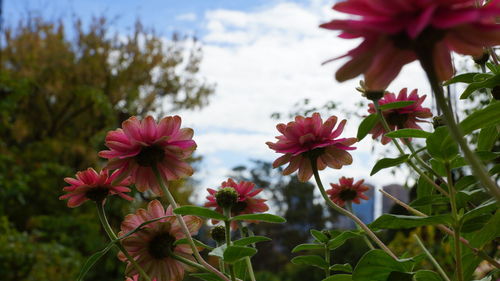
[(226, 197), (438, 121), (374, 95), (218, 233), (483, 59)]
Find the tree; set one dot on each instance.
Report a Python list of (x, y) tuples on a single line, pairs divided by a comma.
[(60, 94)]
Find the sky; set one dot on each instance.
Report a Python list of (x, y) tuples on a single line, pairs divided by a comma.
[(264, 57)]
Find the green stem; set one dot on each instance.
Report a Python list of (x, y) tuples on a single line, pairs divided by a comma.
[(247, 259), (368, 243), (479, 170), (188, 262), (327, 259), (112, 236), (401, 151), (421, 161), (184, 227), (478, 252), (227, 223), (431, 258), (347, 213), (456, 224)]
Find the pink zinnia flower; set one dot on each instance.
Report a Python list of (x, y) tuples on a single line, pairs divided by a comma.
[(247, 201), (347, 191), (142, 145), (152, 247), (309, 137), (394, 30), (90, 185), (399, 118)]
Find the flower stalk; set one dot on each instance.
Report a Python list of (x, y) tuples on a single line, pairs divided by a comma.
[(431, 258), (247, 259), (227, 223), (347, 213), (456, 224), (112, 236), (184, 227)]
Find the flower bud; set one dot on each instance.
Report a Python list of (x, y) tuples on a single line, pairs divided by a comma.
[(374, 95), (483, 59), (218, 233), (226, 197), (438, 121)]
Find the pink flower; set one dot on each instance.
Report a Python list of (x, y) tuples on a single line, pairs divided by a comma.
[(142, 145), (346, 191), (153, 246), (90, 185), (399, 118), (393, 31), (309, 136), (247, 203)]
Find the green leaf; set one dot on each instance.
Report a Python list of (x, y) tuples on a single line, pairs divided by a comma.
[(311, 260), (485, 208), (487, 138), (377, 265), (408, 133), (206, 276), (250, 240), (92, 260), (319, 236), (260, 217), (465, 182), (341, 267), (482, 118), (366, 125), (462, 78), (198, 243), (339, 277), (218, 252), (426, 275), (429, 201), (235, 253), (440, 146), (307, 247), (199, 211), (390, 221), (483, 155), (341, 238), (387, 163), (424, 189), (394, 105), (485, 83), (489, 232)]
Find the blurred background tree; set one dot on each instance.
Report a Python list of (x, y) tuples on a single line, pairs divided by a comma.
[(62, 87)]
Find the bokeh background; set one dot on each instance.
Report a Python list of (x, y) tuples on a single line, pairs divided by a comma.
[(233, 69)]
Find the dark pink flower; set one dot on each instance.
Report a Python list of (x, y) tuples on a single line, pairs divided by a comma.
[(152, 246), (90, 185), (247, 201), (141, 145), (393, 31), (399, 118), (306, 136), (347, 191)]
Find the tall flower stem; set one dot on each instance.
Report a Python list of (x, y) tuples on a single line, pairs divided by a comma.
[(347, 213), (227, 224), (479, 170), (327, 259), (456, 224), (184, 227), (401, 151), (368, 243), (112, 236), (431, 258), (478, 252), (247, 259)]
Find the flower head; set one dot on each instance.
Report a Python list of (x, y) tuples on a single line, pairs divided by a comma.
[(397, 32), (403, 117), (153, 246), (309, 137), (90, 185), (142, 145), (347, 191), (246, 204)]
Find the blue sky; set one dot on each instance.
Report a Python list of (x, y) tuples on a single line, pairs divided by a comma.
[(264, 56)]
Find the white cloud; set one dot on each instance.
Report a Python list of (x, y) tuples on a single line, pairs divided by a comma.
[(264, 61)]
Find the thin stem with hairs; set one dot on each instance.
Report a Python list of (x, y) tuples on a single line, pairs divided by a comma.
[(431, 258), (344, 212), (184, 227)]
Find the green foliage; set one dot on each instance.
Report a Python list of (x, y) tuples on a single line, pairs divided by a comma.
[(366, 125), (376, 265), (388, 163)]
